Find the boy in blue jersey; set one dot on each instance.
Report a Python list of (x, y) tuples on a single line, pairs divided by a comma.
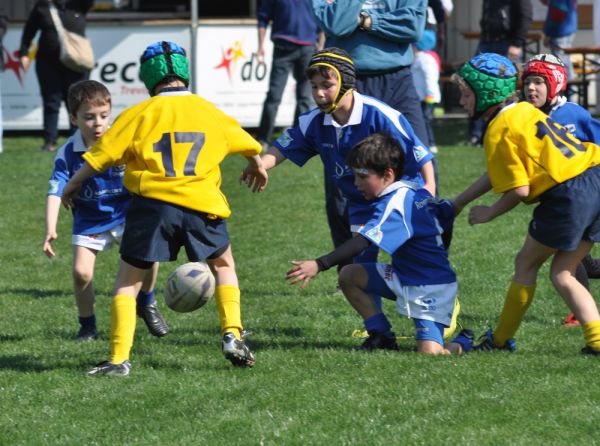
[(544, 79), (99, 216), (342, 119), (407, 223)]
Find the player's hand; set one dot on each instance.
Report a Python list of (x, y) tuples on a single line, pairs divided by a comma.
[(480, 214), (302, 271), (25, 62), (50, 237), (70, 192), (255, 178)]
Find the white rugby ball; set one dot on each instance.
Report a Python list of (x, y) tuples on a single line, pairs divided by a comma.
[(189, 287)]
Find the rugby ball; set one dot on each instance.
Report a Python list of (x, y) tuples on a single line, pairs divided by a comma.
[(189, 287)]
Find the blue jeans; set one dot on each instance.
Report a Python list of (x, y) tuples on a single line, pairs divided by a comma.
[(286, 59)]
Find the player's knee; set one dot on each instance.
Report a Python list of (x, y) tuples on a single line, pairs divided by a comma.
[(352, 276), (82, 276)]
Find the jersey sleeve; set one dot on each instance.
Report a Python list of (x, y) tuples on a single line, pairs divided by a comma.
[(239, 141), (111, 149), (389, 228), (60, 175), (295, 146), (505, 168)]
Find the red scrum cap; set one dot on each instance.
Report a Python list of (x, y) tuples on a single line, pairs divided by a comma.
[(552, 69)]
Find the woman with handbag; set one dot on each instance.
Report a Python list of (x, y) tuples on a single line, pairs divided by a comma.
[(53, 76)]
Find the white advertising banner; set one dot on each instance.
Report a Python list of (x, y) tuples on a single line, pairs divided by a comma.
[(227, 72)]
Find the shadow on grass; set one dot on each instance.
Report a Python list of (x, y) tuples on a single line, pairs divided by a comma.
[(35, 293), (22, 363)]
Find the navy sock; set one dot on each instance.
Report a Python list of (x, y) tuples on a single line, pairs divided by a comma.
[(145, 298), (378, 302), (89, 321), (379, 324)]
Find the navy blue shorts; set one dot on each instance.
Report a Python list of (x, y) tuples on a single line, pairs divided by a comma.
[(156, 230), (569, 213)]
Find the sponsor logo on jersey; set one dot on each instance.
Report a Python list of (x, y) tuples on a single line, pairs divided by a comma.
[(419, 153), (52, 187), (284, 140), (375, 234)]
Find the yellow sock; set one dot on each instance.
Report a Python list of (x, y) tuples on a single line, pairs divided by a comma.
[(591, 334), (228, 306), (122, 330), (517, 301)]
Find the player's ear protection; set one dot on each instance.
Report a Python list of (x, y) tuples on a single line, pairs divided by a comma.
[(493, 79), (342, 65), (162, 59)]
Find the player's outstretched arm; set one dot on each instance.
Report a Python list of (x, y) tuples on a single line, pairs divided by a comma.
[(508, 200), (253, 177), (52, 210), (480, 186), (71, 190)]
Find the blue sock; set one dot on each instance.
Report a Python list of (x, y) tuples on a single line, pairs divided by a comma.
[(89, 321), (379, 324), (145, 298)]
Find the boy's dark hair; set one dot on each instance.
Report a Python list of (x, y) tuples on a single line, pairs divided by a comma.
[(329, 60), (378, 152), (90, 92)]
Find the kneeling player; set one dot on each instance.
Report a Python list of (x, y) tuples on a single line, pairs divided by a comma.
[(407, 224)]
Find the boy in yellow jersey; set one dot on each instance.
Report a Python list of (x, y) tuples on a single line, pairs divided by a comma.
[(532, 159), (172, 145)]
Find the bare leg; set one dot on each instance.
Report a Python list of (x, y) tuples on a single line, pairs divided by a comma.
[(84, 260)]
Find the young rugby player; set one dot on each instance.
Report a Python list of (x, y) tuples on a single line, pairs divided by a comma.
[(99, 215), (172, 144), (407, 224), (342, 119), (544, 79), (530, 158)]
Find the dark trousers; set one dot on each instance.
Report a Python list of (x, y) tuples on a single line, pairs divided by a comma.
[(286, 60), (54, 80), (428, 118), (397, 90)]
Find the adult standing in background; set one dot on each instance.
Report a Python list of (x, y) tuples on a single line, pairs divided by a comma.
[(378, 35), (53, 77), (560, 27), (295, 36), (504, 26), (3, 26)]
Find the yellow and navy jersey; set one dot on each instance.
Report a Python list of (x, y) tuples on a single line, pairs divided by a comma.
[(525, 147), (172, 145)]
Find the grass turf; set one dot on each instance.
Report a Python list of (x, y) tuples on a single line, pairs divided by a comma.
[(308, 386)]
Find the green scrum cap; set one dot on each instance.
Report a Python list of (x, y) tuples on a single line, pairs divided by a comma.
[(492, 77), (163, 59)]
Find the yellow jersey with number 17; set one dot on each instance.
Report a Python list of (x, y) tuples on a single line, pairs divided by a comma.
[(525, 147), (172, 145)]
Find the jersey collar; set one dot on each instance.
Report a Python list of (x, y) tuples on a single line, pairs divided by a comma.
[(78, 144), (355, 115), (174, 91), (397, 185)]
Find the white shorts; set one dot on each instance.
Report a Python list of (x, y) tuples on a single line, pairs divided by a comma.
[(102, 241), (427, 302)]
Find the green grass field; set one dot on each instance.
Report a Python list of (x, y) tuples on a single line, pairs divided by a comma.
[(308, 386)]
